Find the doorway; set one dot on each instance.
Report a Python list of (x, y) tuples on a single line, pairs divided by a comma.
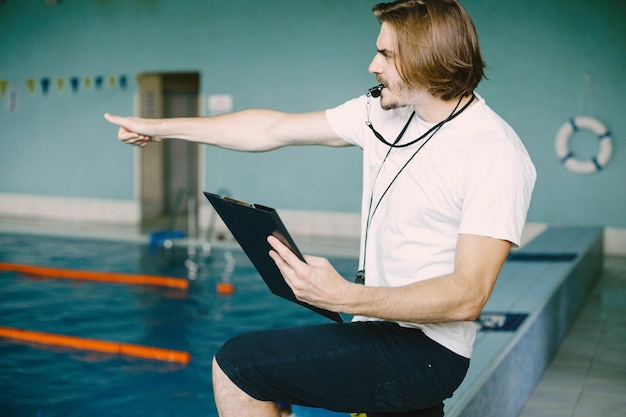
[(169, 181)]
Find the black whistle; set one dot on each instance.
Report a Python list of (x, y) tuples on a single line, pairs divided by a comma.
[(376, 91)]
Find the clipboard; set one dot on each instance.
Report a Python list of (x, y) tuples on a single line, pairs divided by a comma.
[(251, 224)]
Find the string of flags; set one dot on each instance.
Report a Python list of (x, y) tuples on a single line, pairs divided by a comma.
[(46, 85)]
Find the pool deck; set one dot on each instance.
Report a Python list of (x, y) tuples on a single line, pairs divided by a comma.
[(547, 282), (507, 365)]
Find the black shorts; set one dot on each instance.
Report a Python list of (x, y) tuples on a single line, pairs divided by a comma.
[(378, 368)]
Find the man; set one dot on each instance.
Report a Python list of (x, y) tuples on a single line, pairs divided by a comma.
[(447, 186)]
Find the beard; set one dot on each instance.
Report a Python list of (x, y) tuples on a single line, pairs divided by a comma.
[(394, 95), (389, 104)]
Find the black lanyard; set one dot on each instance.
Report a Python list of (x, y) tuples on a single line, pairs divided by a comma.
[(360, 275)]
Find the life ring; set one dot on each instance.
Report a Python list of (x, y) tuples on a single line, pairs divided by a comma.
[(568, 158)]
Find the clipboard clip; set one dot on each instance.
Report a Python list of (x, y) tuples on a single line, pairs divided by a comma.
[(241, 203)]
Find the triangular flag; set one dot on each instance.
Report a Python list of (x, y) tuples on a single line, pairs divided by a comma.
[(75, 83), (45, 85), (3, 87), (60, 84), (30, 83)]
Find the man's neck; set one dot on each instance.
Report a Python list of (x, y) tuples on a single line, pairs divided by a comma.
[(433, 109)]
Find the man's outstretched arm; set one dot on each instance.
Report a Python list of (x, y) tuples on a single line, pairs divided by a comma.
[(248, 130)]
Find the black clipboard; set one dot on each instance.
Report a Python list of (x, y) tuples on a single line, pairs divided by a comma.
[(251, 224)]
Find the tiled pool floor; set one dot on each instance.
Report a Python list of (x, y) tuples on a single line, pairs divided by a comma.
[(587, 376)]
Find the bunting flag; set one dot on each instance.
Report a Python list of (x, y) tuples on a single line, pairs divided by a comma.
[(75, 83), (45, 85), (30, 84), (61, 84), (99, 80)]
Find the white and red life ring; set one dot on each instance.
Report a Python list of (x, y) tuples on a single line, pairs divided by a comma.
[(568, 158)]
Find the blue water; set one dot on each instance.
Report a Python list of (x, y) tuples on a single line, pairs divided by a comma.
[(44, 381)]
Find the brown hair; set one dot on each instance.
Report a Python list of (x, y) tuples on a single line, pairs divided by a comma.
[(437, 45)]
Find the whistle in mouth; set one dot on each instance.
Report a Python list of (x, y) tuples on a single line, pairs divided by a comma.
[(376, 91)]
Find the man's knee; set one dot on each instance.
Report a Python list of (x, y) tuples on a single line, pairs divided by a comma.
[(220, 379), (232, 401)]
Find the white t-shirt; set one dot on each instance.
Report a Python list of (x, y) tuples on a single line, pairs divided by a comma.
[(473, 177)]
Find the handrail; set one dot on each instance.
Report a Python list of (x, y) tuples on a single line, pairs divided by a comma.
[(178, 202), (207, 245)]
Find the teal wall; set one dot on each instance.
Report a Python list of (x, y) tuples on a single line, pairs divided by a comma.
[(548, 61)]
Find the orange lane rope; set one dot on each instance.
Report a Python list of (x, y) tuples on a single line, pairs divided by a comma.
[(134, 279), (146, 352)]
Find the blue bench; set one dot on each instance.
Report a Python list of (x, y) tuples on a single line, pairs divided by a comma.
[(546, 283), (542, 287)]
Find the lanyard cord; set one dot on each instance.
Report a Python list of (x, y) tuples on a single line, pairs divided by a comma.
[(432, 130), (360, 275), (395, 143)]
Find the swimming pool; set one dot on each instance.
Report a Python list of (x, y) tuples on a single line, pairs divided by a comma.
[(44, 381)]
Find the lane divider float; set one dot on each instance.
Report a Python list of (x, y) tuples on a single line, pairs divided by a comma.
[(225, 288), (118, 277), (80, 343)]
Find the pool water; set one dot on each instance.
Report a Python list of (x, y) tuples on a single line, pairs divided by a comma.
[(45, 381)]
